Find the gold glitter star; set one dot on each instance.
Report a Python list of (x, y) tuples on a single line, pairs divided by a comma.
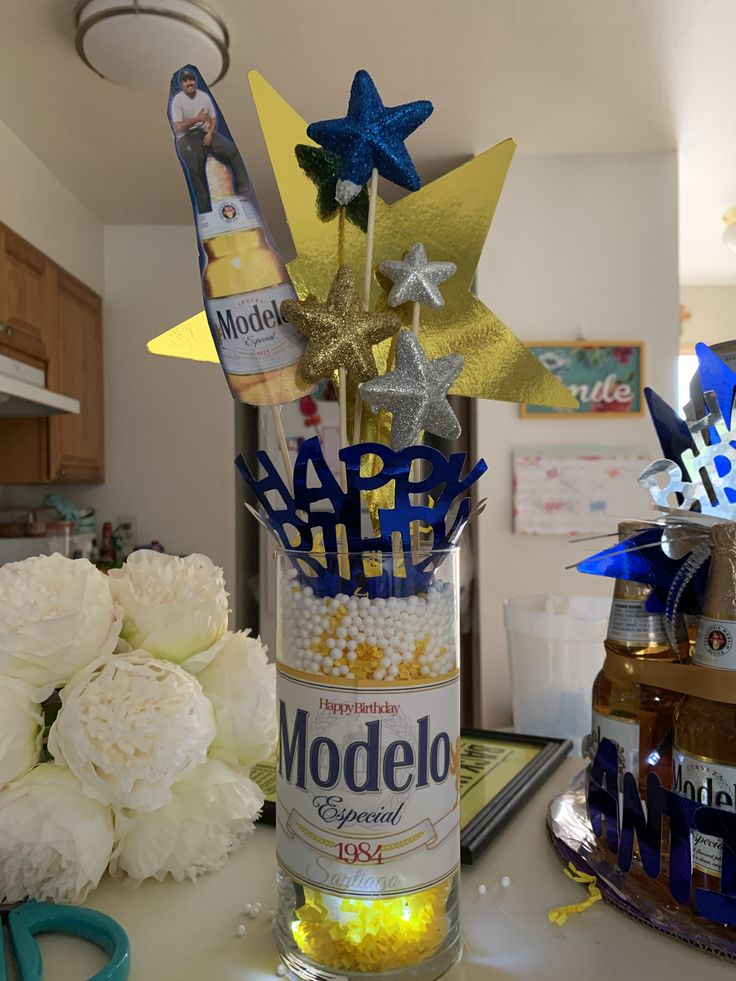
[(451, 217), (339, 333)]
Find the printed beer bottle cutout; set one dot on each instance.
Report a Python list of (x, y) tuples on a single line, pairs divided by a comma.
[(637, 718), (704, 754), (243, 277)]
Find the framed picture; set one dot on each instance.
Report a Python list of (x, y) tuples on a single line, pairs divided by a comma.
[(606, 377), (575, 491), (498, 772)]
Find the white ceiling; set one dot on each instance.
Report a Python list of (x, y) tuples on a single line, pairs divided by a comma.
[(562, 76)]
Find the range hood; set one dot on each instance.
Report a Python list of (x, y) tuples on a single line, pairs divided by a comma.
[(23, 392)]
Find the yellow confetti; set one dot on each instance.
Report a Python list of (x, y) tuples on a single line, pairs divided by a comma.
[(371, 934), (560, 914)]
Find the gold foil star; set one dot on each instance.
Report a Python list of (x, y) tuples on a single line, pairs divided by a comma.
[(339, 334), (451, 217)]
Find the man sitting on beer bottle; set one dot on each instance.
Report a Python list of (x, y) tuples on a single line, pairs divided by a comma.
[(194, 121)]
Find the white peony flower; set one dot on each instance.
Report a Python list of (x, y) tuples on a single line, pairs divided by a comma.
[(56, 615), (241, 684), (210, 814), (128, 728), (174, 608), (21, 728), (55, 843)]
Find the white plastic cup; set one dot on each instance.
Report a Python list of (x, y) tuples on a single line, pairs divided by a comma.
[(555, 646)]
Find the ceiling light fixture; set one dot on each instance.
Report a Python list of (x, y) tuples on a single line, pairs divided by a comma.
[(140, 44), (729, 232)]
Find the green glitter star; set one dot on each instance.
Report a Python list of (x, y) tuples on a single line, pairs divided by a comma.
[(323, 169)]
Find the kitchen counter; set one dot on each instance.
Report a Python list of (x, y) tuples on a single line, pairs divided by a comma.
[(187, 932)]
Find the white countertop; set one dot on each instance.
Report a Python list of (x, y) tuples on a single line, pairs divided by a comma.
[(187, 932)]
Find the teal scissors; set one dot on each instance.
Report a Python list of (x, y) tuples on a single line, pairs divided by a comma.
[(28, 919)]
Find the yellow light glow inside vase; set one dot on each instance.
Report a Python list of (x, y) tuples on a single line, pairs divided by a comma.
[(371, 935)]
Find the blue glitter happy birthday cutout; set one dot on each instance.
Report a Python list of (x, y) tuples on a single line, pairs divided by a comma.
[(306, 523)]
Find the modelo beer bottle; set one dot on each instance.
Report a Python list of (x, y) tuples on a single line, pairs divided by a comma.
[(637, 718), (704, 753), (243, 277)]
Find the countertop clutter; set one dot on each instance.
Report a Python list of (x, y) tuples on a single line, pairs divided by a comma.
[(188, 932)]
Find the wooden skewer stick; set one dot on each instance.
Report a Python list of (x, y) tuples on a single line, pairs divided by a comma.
[(283, 447), (342, 400), (416, 469), (369, 239), (367, 280)]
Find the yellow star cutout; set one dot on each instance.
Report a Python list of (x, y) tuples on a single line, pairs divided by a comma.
[(450, 217)]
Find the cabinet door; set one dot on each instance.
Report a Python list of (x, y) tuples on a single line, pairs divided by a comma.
[(26, 296), (77, 442)]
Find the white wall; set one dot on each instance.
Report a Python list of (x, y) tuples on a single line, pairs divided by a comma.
[(37, 206), (169, 423), (578, 243), (713, 313)]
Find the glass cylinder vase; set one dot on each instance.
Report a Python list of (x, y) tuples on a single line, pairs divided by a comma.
[(368, 776)]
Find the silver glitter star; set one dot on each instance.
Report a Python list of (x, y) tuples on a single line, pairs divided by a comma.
[(416, 393), (415, 278)]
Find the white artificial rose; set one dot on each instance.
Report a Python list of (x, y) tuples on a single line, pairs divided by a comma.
[(210, 814), (241, 685), (55, 842), (21, 728), (175, 608), (128, 728), (56, 615)]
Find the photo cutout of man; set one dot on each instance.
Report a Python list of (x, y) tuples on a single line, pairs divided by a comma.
[(193, 119)]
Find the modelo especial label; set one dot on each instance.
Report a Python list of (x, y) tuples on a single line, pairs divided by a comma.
[(714, 647), (250, 334), (631, 622), (625, 734), (709, 783), (368, 785)]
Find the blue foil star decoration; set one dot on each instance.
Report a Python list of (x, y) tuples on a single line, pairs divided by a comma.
[(372, 135), (716, 376), (416, 279), (643, 558)]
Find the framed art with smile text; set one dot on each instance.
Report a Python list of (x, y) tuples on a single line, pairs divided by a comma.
[(606, 377)]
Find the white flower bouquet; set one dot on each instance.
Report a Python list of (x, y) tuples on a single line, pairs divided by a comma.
[(161, 714)]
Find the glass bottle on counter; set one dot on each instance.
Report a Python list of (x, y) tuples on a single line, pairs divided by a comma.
[(638, 718), (107, 557), (704, 752)]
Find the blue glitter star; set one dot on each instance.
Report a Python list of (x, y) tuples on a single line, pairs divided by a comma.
[(372, 135)]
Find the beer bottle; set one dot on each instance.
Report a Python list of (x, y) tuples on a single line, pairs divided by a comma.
[(244, 279), (704, 752), (243, 284), (638, 718)]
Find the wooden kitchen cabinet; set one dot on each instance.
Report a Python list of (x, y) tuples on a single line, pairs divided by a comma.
[(77, 443), (25, 296), (51, 320)]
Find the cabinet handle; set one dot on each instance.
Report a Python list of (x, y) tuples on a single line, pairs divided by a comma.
[(3, 328), (9, 331), (61, 471)]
